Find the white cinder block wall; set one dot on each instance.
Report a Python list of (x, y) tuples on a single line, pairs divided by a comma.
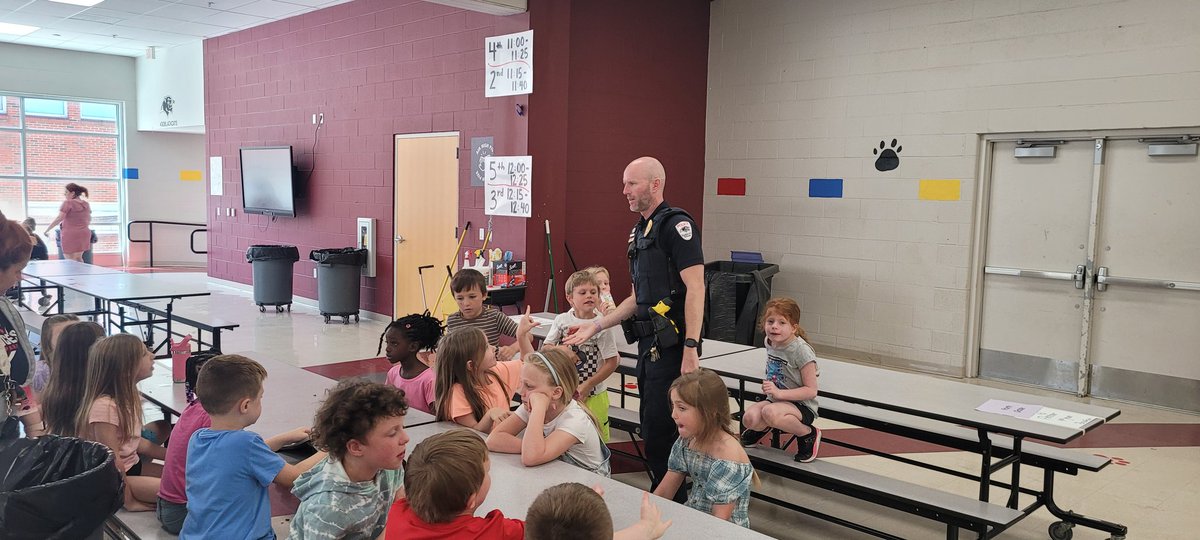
[(807, 89)]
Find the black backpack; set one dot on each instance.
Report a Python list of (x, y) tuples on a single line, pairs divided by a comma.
[(192, 369)]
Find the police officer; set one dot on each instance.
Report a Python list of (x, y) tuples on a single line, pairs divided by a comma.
[(667, 266)]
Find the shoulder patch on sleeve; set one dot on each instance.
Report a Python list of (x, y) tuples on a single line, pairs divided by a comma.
[(684, 228)]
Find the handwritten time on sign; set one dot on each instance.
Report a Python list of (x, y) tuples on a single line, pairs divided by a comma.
[(509, 61), (508, 185)]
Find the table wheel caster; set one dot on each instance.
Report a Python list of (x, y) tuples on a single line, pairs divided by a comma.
[(278, 309), (262, 308), (1061, 530), (345, 319), (327, 319)]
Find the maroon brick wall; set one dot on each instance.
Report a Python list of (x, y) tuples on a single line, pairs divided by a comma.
[(374, 68), (626, 78)]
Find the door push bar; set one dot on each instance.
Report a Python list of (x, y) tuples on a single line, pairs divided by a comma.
[(1078, 276), (1103, 280)]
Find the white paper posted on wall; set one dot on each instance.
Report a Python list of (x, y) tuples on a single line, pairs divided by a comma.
[(508, 186)]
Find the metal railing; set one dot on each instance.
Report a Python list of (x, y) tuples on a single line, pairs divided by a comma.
[(202, 228)]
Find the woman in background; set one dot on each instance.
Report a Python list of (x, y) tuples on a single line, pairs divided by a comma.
[(75, 214)]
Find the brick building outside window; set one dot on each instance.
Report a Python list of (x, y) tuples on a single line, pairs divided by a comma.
[(45, 144)]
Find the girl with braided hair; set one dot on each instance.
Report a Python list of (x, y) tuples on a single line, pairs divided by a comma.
[(405, 341)]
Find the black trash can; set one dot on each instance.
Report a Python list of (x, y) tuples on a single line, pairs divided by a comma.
[(57, 487), (338, 273), (272, 275), (736, 294)]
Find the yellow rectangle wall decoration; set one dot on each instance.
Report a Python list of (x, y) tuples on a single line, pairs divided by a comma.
[(940, 190), (191, 176)]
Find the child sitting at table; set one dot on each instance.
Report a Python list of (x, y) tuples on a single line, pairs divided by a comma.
[(472, 388), (63, 395), (598, 355), (348, 494), (447, 478), (790, 383), (470, 290), (228, 469), (405, 341), (707, 450), (573, 510), (52, 329), (551, 423), (112, 414)]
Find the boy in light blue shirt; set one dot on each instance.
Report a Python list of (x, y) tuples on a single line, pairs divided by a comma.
[(228, 469)]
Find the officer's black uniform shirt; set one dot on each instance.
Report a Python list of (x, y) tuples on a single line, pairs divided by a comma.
[(679, 238)]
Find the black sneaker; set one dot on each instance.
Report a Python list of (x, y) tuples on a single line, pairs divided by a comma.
[(750, 437), (806, 448)]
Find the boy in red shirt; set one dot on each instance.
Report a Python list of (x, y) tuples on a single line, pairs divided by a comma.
[(446, 479)]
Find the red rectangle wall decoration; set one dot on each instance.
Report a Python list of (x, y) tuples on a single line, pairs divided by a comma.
[(731, 186)]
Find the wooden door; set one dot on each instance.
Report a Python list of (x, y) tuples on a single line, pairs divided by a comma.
[(426, 218)]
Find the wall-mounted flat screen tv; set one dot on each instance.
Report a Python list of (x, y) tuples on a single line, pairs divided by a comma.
[(267, 184)]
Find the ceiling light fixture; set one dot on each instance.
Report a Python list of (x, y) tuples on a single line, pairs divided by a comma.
[(85, 3), (17, 29)]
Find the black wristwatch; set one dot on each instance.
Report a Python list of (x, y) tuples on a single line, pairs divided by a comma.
[(693, 343)]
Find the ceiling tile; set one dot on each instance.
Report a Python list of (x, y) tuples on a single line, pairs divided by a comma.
[(270, 9), (40, 42), (229, 19), (89, 27), (184, 12), (198, 29), (216, 4), (148, 21), (133, 6)]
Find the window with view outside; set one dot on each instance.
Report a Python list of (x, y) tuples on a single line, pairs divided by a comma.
[(46, 144)]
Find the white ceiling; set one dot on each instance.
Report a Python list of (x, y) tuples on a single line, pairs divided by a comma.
[(128, 27)]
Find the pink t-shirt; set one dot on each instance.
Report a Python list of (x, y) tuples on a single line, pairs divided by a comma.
[(104, 411), (418, 390), (493, 394), (173, 481)]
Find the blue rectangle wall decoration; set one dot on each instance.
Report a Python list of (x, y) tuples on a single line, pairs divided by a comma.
[(825, 188)]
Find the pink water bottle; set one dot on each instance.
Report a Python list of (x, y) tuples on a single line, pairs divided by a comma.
[(180, 351)]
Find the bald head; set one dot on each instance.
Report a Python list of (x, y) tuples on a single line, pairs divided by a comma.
[(644, 181), (647, 168)]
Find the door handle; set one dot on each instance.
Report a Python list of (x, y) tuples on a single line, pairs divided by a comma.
[(1078, 276), (1103, 280), (399, 239)]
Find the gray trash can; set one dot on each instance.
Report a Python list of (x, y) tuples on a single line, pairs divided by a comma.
[(272, 275), (338, 273), (736, 294)]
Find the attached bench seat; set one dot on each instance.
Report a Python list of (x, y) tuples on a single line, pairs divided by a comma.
[(33, 321), (126, 525), (1039, 455), (954, 510)]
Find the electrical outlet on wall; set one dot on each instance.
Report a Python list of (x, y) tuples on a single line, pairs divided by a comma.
[(314, 272), (481, 233)]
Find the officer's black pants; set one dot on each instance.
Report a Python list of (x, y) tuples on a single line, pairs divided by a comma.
[(658, 429)]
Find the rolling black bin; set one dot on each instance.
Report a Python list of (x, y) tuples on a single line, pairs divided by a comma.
[(736, 293), (272, 275), (57, 487), (338, 273)]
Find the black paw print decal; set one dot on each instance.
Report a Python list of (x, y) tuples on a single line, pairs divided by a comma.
[(888, 158)]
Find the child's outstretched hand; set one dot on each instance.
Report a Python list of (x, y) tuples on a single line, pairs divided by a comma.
[(527, 323), (651, 525), (296, 435)]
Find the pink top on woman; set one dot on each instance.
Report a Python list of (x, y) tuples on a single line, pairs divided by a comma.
[(76, 231)]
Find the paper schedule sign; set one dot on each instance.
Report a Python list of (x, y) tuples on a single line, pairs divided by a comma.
[(1008, 408), (507, 185), (509, 60)]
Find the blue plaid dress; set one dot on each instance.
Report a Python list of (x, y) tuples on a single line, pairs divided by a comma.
[(714, 481)]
